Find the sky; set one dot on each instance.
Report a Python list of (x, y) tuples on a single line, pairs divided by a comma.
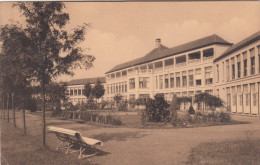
[(123, 31)]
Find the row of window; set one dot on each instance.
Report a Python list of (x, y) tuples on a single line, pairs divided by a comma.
[(173, 80), (117, 88), (244, 63), (74, 92)]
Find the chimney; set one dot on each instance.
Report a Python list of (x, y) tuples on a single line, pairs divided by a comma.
[(158, 43)]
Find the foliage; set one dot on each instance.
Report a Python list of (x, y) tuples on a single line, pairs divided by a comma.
[(56, 111), (87, 90), (209, 100), (174, 105), (98, 91), (92, 117), (118, 98), (122, 106), (191, 110), (224, 117), (91, 104), (157, 108), (184, 99)]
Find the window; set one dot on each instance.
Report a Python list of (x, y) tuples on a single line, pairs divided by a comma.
[(161, 82), (223, 71), (238, 66), (119, 88), (71, 92), (108, 89), (168, 62), (217, 73), (258, 59), (245, 63), (208, 75), (172, 80), (178, 80), (166, 81), (125, 86), (75, 92), (198, 76), (116, 88), (79, 91), (194, 56), (112, 75), (253, 91), (124, 73), (180, 59), (233, 67), (156, 82), (227, 66), (158, 64), (252, 59), (245, 90), (191, 80), (208, 53), (143, 82), (184, 79), (132, 83), (118, 74), (198, 82)]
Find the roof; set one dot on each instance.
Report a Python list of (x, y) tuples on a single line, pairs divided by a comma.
[(87, 80), (163, 51), (254, 37)]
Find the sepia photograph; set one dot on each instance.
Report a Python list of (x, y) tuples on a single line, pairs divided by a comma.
[(130, 83)]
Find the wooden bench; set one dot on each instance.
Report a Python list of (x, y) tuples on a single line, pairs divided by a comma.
[(74, 139)]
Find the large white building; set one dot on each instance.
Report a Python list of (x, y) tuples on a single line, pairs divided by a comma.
[(191, 68)]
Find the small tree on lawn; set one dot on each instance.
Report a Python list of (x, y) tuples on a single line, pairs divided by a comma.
[(174, 105), (208, 100), (98, 91), (157, 108), (87, 90), (118, 98)]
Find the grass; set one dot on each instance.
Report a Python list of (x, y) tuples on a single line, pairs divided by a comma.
[(19, 149), (239, 152)]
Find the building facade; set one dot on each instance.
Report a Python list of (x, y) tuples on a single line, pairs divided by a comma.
[(209, 64), (75, 88), (237, 75)]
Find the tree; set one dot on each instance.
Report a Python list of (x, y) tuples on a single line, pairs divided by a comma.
[(87, 90), (118, 98), (16, 71), (55, 51), (174, 106), (208, 100), (98, 91)]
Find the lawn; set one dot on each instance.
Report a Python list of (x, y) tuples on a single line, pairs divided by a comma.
[(19, 149), (239, 152)]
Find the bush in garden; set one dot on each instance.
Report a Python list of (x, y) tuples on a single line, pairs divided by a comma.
[(224, 117), (91, 104), (103, 104), (122, 106), (56, 111), (157, 109), (173, 109), (143, 117), (191, 110)]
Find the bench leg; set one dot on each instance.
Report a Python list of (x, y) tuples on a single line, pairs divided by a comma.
[(67, 152), (60, 142), (84, 156)]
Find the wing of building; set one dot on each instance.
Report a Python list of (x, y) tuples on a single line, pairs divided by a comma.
[(210, 64), (75, 88)]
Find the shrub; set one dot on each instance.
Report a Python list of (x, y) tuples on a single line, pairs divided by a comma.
[(56, 111), (122, 106), (224, 117), (157, 109), (191, 110), (91, 104)]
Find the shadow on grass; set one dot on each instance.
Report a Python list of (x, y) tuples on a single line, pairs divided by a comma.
[(117, 136)]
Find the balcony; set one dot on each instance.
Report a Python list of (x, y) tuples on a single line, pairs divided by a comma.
[(180, 64)]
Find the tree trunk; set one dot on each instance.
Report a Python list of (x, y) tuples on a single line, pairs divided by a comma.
[(7, 106), (43, 117), (24, 122), (4, 107), (13, 109)]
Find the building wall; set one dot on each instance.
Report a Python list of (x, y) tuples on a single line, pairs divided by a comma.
[(200, 69), (75, 93), (237, 84)]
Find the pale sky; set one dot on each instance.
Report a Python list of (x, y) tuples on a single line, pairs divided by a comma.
[(122, 31)]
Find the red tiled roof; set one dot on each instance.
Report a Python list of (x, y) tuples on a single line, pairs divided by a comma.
[(163, 51), (254, 37), (86, 80)]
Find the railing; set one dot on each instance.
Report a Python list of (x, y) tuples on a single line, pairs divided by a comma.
[(207, 58), (195, 61), (180, 64)]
